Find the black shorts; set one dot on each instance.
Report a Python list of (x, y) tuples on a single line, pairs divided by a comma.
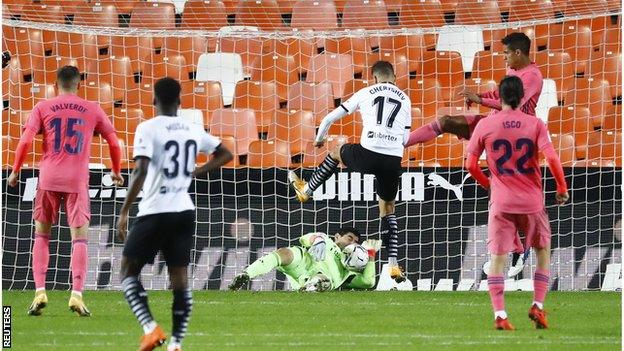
[(386, 168), (171, 233)]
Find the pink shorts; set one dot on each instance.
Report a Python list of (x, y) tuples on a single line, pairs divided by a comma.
[(503, 229), (77, 206)]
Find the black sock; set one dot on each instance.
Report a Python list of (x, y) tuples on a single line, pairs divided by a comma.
[(181, 313), (390, 223), (322, 173)]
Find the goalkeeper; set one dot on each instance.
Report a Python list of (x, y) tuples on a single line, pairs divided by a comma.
[(316, 265)]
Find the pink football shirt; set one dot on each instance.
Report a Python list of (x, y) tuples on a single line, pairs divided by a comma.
[(511, 141), (532, 83), (67, 123)]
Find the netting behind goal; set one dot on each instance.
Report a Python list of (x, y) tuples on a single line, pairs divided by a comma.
[(264, 88)]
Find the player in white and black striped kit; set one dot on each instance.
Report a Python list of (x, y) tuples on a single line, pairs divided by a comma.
[(165, 148), (386, 117)]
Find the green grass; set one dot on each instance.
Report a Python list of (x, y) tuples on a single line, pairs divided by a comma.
[(326, 321)]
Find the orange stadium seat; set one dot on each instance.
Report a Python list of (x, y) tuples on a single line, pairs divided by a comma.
[(189, 47), (116, 70), (13, 122), (558, 66), (477, 12), (575, 40), (9, 145), (101, 16), (101, 93), (445, 151), (125, 121), (332, 68), (526, 10), (609, 40), (268, 154), (100, 153), (594, 94), (286, 6), (229, 142), (206, 15), (240, 123), (357, 47), (27, 95), (43, 13), (301, 49), (398, 60), (282, 70), (313, 14), (264, 14), (204, 96), (412, 46), (312, 156), (349, 126), (426, 94), (123, 7), (27, 46), (259, 96), (489, 65), (605, 146), (138, 49), (425, 13), (314, 97), (248, 48), (352, 86), (365, 14), (51, 65), (585, 7), (564, 145), (230, 6), (570, 120), (608, 66), (165, 66), (295, 127), (446, 67), (154, 15)]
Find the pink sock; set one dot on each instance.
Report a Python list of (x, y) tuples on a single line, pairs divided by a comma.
[(40, 259), (424, 133), (79, 261), (496, 286), (540, 285)]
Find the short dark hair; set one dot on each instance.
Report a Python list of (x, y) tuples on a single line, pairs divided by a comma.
[(518, 41), (167, 91), (347, 230), (67, 77), (511, 91), (383, 68)]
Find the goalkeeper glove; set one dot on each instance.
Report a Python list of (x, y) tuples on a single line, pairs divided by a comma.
[(317, 250), (372, 246)]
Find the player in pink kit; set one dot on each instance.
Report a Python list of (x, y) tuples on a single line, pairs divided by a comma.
[(67, 123), (511, 140)]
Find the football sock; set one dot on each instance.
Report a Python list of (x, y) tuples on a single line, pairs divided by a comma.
[(540, 286), (79, 261), (263, 265), (496, 287), (321, 174), (180, 314), (40, 259), (424, 133), (390, 223), (136, 296)]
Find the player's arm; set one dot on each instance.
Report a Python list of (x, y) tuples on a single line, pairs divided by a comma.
[(106, 129), (344, 109), (554, 164), (221, 156), (316, 244), (32, 128), (475, 149), (490, 99)]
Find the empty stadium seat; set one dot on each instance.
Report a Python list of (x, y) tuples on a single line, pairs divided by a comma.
[(313, 14), (259, 96), (313, 156), (349, 126), (594, 94), (525, 10), (426, 94), (204, 96), (300, 49), (263, 14), (547, 99), (283, 70), (189, 47), (125, 121), (240, 123), (43, 13), (314, 97), (268, 154), (295, 127), (574, 40), (564, 145), (226, 68), (161, 66), (446, 67), (154, 15), (206, 15), (489, 65), (357, 47), (27, 95), (101, 93), (332, 68), (365, 14), (466, 41), (422, 13), (97, 15), (444, 151), (557, 66), (353, 86), (477, 12), (608, 66), (248, 48), (570, 120)]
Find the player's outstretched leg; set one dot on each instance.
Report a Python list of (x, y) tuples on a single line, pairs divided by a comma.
[(321, 174), (79, 260), (425, 133), (261, 266), (239, 281), (40, 261)]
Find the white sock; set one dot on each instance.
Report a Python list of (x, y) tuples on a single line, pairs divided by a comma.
[(40, 289), (77, 293), (502, 314), (173, 344), (149, 327), (539, 305), (306, 189), (392, 261)]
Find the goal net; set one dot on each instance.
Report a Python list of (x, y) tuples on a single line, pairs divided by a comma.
[(262, 74)]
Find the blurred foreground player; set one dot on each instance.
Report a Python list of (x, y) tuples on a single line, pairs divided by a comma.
[(511, 140), (165, 149)]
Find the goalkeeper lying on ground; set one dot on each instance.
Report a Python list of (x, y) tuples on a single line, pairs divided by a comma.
[(316, 265)]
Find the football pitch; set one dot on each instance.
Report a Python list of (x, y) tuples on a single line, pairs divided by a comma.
[(325, 321)]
